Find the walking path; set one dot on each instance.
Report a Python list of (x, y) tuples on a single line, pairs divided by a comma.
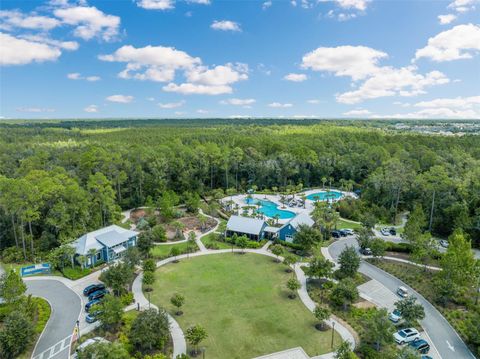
[(179, 344)]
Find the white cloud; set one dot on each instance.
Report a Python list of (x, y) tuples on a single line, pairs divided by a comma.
[(353, 4), (159, 63), (238, 101), (279, 105), (89, 22), (313, 102), (172, 104), (201, 111), (446, 19), (460, 42), (357, 113), (201, 2), (91, 109), (156, 4), (462, 103), (15, 51), (225, 25), (78, 76), (154, 63), (35, 109), (295, 77), (120, 98), (65, 45), (389, 81), (357, 62), (194, 89), (462, 5), (266, 4), (16, 19)]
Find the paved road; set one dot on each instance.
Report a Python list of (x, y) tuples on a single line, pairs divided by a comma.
[(55, 340), (443, 336)]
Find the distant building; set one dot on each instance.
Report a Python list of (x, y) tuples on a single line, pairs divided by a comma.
[(288, 230), (252, 228), (105, 244)]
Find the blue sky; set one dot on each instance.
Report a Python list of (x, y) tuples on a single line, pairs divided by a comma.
[(200, 58)]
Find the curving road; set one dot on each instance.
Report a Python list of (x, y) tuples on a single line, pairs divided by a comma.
[(54, 342), (443, 336)]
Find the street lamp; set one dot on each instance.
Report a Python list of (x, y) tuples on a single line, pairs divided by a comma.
[(333, 331)]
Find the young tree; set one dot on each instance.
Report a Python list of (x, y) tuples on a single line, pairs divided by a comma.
[(174, 252), (145, 243), (16, 334), (132, 257), (192, 201), (12, 287), (166, 203), (111, 312), (411, 310), (104, 351), (349, 262), (178, 300), (179, 226), (423, 248), (321, 314), (148, 280), (159, 234), (415, 225), (377, 246), (364, 237), (344, 351), (195, 335), (289, 260), (293, 284), (344, 293), (307, 237), (320, 268), (117, 277), (277, 250), (150, 330), (379, 328), (149, 265), (242, 242)]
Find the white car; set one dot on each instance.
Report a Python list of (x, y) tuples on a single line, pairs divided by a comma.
[(88, 342), (444, 243), (406, 335), (385, 231), (349, 231), (402, 292), (395, 316)]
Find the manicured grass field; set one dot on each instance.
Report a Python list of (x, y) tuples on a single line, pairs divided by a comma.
[(210, 238), (344, 224), (242, 301), (164, 250)]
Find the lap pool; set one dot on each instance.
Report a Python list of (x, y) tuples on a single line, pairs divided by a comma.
[(324, 195), (269, 208)]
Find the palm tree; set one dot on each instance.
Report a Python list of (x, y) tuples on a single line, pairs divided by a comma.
[(82, 259), (179, 226), (92, 252), (324, 180)]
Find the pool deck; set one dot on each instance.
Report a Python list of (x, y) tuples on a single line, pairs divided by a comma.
[(309, 205)]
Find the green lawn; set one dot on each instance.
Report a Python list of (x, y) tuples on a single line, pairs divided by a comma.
[(210, 238), (163, 251), (344, 224), (243, 303)]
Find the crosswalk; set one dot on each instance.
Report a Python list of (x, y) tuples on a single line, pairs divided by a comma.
[(56, 349)]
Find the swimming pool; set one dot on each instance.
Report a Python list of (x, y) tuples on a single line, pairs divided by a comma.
[(324, 195), (269, 208)]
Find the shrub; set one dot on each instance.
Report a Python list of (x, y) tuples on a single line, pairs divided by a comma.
[(75, 273), (398, 247), (127, 298), (43, 314), (212, 245), (288, 244), (12, 255)]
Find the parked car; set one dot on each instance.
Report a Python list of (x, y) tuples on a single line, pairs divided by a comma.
[(393, 231), (385, 231), (444, 243), (98, 294), (88, 342), (93, 317), (342, 233), (93, 288), (421, 346), (90, 304), (336, 234), (426, 357), (406, 335), (402, 292), (349, 231), (395, 316), (366, 251)]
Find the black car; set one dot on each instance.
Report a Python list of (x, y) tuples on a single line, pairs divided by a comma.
[(93, 288), (98, 294), (343, 232), (420, 346), (336, 234), (393, 231), (366, 251)]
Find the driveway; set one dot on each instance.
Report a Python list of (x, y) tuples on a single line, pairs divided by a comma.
[(55, 341), (442, 335)]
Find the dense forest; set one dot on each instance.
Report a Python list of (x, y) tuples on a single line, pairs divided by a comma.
[(59, 179)]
